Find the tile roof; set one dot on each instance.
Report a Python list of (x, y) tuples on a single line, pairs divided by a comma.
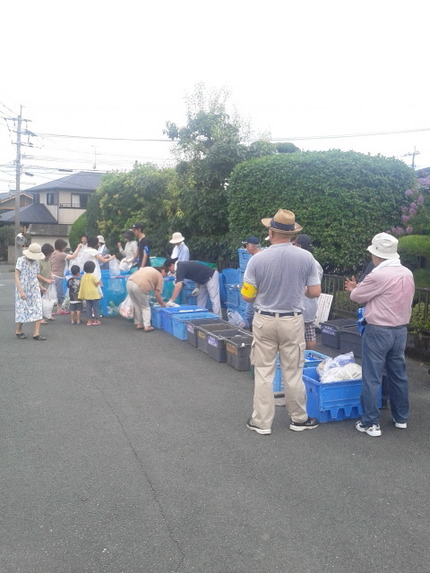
[(82, 181), (36, 213)]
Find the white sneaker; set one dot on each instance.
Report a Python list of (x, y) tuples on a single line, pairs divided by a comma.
[(402, 425), (263, 432), (373, 431)]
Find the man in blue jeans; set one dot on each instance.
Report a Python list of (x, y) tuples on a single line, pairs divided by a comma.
[(387, 291)]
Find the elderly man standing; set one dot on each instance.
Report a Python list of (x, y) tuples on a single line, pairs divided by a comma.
[(275, 280), (387, 291)]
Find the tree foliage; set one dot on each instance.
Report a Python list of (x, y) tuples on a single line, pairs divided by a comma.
[(341, 199), (79, 228), (146, 194), (209, 146)]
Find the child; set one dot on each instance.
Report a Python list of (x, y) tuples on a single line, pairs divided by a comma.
[(59, 259), (90, 292), (73, 284)]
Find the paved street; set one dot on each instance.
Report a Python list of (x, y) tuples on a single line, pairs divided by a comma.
[(125, 452)]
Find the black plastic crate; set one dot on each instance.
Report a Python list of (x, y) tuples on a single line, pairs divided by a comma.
[(192, 327), (238, 351), (350, 340), (216, 342), (330, 331), (203, 331)]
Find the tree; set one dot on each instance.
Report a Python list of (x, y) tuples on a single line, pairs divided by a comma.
[(146, 194), (7, 238), (208, 148), (341, 199)]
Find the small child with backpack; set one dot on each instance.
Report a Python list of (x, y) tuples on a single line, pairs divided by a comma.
[(74, 284), (90, 292)]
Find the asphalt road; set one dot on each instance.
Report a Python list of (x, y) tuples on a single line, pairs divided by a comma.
[(128, 452)]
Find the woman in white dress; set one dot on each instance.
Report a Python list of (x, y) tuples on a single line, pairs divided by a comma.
[(28, 298)]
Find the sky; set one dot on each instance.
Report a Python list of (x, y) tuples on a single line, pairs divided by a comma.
[(310, 72)]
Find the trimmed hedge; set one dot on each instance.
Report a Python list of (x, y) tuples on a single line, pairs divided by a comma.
[(341, 199)]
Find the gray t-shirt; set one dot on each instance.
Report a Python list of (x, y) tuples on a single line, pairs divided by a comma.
[(280, 274), (311, 304)]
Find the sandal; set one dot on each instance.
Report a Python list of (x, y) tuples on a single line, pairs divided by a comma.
[(39, 337), (149, 329), (20, 335)]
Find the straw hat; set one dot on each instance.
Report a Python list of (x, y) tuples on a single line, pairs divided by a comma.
[(283, 222), (34, 252), (177, 238), (384, 246)]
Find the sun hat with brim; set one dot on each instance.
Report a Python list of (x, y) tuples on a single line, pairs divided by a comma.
[(101, 239), (176, 238), (384, 246), (283, 222), (34, 252)]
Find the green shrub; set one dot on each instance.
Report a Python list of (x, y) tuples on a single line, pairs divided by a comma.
[(420, 318), (341, 199), (422, 278)]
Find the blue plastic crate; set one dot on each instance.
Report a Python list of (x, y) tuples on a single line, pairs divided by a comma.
[(179, 322), (156, 316), (233, 295), (168, 312), (332, 401), (312, 359), (231, 276), (244, 257)]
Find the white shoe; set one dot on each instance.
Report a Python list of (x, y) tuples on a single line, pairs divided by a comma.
[(373, 431), (401, 425)]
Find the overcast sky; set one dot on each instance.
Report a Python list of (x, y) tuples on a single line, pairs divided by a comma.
[(301, 71)]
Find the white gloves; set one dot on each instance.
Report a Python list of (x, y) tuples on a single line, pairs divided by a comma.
[(171, 303), (196, 291)]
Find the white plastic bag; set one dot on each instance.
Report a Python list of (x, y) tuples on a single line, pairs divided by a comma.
[(341, 367), (49, 299), (126, 309), (114, 267), (124, 265), (235, 318)]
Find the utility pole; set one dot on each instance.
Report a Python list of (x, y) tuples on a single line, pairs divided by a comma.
[(18, 181), (413, 154)]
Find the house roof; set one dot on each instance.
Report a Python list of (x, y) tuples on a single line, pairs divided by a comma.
[(82, 181), (36, 213), (9, 196)]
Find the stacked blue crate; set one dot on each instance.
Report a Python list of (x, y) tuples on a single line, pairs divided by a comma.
[(234, 298)]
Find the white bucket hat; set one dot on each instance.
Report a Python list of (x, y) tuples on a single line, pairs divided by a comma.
[(34, 252), (177, 238), (384, 246), (101, 239)]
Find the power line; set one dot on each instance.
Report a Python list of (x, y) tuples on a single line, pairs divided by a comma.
[(104, 138), (344, 135)]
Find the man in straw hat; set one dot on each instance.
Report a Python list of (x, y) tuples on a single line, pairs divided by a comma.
[(275, 280), (180, 250), (387, 291)]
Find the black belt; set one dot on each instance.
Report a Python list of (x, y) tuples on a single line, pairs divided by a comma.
[(277, 314)]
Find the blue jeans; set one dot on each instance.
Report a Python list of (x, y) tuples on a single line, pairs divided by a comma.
[(384, 347), (93, 307)]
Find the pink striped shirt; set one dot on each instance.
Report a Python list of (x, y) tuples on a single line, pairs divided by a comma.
[(387, 294)]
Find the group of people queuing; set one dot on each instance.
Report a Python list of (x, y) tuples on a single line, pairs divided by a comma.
[(281, 285), (41, 273)]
